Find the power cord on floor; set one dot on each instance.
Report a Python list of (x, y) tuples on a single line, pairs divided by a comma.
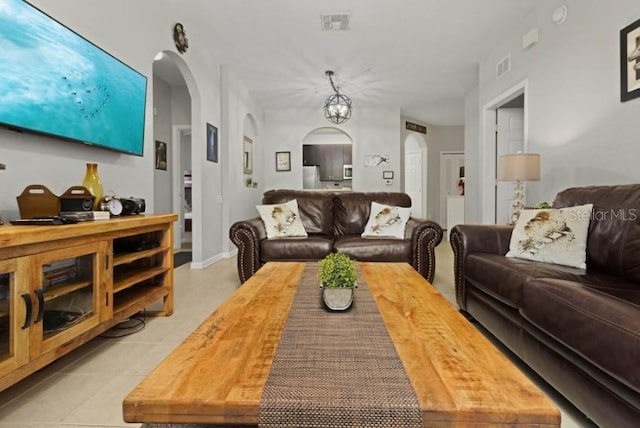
[(127, 327)]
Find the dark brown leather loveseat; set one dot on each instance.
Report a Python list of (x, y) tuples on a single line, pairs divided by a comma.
[(580, 330), (334, 222)]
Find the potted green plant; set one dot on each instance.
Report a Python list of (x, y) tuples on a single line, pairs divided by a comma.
[(337, 275)]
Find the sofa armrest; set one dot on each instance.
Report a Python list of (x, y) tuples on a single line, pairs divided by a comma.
[(425, 235), (246, 235), (467, 239)]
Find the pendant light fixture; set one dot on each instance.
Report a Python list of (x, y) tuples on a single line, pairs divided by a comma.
[(337, 108)]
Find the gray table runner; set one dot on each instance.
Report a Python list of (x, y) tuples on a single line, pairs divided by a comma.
[(337, 369)]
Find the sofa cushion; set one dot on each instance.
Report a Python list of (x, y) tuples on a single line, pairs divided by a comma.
[(316, 208), (556, 236), (352, 209), (375, 249), (281, 219), (614, 242), (504, 278), (295, 249), (602, 328), (386, 220), (614, 233)]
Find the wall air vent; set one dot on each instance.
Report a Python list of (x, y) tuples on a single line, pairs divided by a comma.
[(503, 66), (335, 21)]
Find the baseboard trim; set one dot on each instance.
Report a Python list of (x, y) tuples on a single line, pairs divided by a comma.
[(208, 262)]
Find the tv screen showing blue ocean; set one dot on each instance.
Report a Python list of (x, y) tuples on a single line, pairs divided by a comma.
[(55, 82)]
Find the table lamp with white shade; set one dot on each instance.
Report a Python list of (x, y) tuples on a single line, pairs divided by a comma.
[(519, 167)]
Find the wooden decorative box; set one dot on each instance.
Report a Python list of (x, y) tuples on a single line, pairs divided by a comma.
[(37, 200)]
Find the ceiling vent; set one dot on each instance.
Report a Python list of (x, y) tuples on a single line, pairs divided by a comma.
[(335, 21), (503, 66)]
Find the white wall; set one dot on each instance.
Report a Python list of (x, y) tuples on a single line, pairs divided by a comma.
[(374, 131), (240, 116), (576, 121), (180, 105)]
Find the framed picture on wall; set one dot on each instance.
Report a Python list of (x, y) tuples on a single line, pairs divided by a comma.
[(630, 61), (161, 155), (283, 161), (212, 143)]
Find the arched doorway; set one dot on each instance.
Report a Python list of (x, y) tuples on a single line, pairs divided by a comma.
[(173, 186), (415, 173), (327, 157)]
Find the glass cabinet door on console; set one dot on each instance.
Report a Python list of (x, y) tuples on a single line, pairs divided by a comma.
[(14, 310), (69, 295)]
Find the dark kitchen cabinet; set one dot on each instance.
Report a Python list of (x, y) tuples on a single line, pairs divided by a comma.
[(330, 158), (331, 162)]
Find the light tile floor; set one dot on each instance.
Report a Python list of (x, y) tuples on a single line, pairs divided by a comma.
[(86, 387)]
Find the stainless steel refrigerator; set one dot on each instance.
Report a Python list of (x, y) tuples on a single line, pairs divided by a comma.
[(310, 177)]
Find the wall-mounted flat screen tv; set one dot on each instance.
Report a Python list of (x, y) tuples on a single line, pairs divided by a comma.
[(55, 82)]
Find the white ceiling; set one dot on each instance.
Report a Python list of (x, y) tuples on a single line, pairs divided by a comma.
[(418, 55)]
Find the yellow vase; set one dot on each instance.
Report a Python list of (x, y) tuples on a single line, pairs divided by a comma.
[(93, 184)]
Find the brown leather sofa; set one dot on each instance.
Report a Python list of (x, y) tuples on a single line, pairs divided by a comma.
[(579, 330), (334, 222)]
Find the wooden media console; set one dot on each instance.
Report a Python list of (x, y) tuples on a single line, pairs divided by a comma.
[(61, 286)]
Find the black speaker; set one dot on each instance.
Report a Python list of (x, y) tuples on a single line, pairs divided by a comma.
[(75, 199)]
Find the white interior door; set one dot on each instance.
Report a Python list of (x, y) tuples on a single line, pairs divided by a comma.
[(509, 140), (450, 163), (413, 182)]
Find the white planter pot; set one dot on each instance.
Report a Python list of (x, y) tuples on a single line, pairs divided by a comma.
[(337, 299)]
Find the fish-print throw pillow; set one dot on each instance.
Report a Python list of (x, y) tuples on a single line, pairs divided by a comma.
[(281, 219), (556, 236), (386, 221)]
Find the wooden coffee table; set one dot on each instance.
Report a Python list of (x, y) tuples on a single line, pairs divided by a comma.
[(218, 373)]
